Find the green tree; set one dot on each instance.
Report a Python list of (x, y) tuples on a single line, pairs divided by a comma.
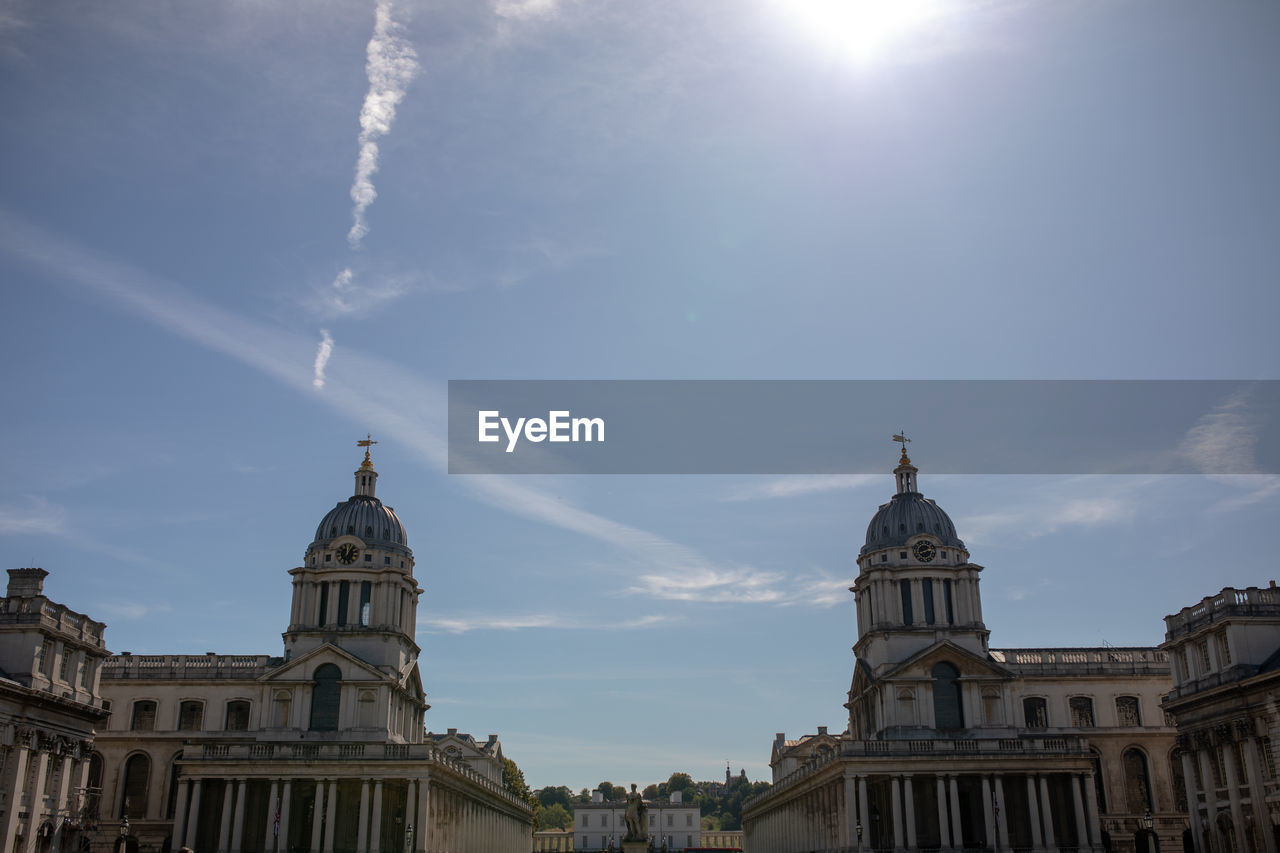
[(513, 780), (554, 816), (650, 792), (679, 782), (551, 796)]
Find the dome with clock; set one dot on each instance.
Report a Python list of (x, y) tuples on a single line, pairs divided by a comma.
[(364, 516), (908, 514)]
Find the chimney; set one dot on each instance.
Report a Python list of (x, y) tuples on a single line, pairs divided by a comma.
[(822, 730), (26, 583)]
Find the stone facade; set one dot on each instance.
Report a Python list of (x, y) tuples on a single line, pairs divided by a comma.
[(1225, 701), (321, 749), (953, 745), (602, 826), (50, 661)]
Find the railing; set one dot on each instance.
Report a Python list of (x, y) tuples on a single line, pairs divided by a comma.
[(187, 666), (1108, 659), (1251, 601), (42, 611)]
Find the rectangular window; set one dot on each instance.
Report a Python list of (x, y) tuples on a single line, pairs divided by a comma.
[(64, 668), (926, 589), (946, 597), (82, 673), (190, 716), (1224, 651), (344, 593), (1205, 668), (45, 657), (1268, 759), (1036, 712), (366, 609), (668, 820), (144, 717), (1081, 712), (688, 820), (1127, 713), (907, 616), (324, 605)]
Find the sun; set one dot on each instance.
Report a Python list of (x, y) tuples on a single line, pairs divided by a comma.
[(861, 30)]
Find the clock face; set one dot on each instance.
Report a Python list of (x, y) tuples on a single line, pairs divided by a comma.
[(924, 551), (347, 554)]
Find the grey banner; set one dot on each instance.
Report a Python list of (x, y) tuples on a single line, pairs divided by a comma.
[(844, 426)]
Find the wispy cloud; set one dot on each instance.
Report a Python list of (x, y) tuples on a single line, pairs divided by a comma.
[(1086, 501), (391, 62), (323, 352), (743, 585), (525, 10), (798, 486), (1223, 444), (349, 295), (35, 516), (131, 611), (461, 624)]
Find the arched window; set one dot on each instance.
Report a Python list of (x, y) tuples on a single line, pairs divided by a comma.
[(1035, 711), (1127, 713), (144, 716), (1081, 712), (190, 716), (237, 716), (325, 693), (137, 772), (1137, 784), (171, 801), (946, 697)]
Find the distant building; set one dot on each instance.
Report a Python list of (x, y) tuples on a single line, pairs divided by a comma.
[(1225, 701), (553, 841), (50, 661), (598, 825), (954, 745), (321, 749), (722, 839)]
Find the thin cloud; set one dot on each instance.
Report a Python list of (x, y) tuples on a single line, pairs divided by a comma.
[(798, 486), (36, 516), (743, 585), (390, 65), (1223, 445), (349, 296), (526, 10), (1106, 501), (464, 624), (323, 352)]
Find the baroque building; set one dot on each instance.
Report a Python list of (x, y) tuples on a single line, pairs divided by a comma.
[(50, 661), (1225, 653), (322, 748), (954, 745), (673, 825)]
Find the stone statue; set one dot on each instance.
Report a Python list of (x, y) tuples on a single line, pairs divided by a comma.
[(637, 817)]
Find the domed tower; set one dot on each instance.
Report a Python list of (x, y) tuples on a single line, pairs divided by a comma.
[(356, 588), (915, 583)]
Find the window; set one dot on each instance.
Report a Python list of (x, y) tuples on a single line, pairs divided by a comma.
[(1036, 712), (237, 716), (1081, 712), (946, 595), (1203, 647), (325, 695), (64, 668), (344, 593), (1127, 711), (884, 558), (688, 820), (82, 674), (947, 713), (137, 770), (45, 658), (144, 716), (283, 703), (668, 820), (1137, 784), (1224, 650), (323, 618), (926, 588), (190, 716), (586, 819), (1268, 759), (907, 616), (366, 596), (386, 561)]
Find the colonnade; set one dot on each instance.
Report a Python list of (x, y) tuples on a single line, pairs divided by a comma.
[(36, 758), (883, 810), (1227, 748)]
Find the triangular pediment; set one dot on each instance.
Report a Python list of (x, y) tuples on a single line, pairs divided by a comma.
[(963, 659), (303, 667)]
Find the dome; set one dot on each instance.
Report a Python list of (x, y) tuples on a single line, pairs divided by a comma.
[(366, 517), (905, 516)]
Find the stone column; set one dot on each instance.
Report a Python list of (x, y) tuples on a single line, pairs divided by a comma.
[(63, 805), (35, 801), (944, 826), (1232, 774), (286, 802), (957, 825), (375, 841), (1091, 803), (850, 833), (909, 796), (424, 817), (862, 809), (317, 818), (1002, 815), (273, 805), (897, 812), (228, 797), (988, 820), (180, 814), (1193, 796), (410, 804), (237, 821), (1082, 828), (330, 815), (193, 815), (1047, 811), (362, 833), (15, 784), (1033, 812)]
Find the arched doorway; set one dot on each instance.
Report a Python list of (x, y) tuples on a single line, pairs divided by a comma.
[(1146, 841)]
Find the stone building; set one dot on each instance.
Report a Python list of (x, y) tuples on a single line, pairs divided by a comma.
[(1225, 701), (50, 661), (601, 825), (954, 745), (320, 749)]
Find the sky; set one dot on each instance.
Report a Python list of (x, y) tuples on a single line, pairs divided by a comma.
[(237, 237)]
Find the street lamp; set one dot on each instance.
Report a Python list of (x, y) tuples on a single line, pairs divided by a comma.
[(1148, 820), (124, 826), (858, 829), (408, 837)]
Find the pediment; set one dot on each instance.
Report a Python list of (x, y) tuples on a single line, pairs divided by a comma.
[(303, 667), (970, 665)]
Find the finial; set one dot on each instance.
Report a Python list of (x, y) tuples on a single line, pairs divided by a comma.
[(902, 437), (366, 443)]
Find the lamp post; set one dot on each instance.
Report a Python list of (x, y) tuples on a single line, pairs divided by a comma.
[(408, 837), (1148, 821), (857, 828)]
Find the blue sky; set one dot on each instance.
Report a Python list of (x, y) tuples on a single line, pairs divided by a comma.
[(754, 189)]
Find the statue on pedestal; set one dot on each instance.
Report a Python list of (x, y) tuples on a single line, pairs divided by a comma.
[(637, 817)]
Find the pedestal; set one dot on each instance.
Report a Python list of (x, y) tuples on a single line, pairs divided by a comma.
[(635, 847)]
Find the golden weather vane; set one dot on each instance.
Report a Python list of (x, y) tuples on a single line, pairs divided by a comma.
[(366, 443), (901, 437)]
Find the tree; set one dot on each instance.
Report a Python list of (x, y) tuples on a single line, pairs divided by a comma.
[(679, 782), (513, 780), (554, 816), (650, 792), (559, 794)]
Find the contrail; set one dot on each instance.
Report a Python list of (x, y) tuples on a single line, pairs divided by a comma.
[(391, 64), (322, 357)]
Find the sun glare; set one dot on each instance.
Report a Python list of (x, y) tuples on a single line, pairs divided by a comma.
[(862, 30)]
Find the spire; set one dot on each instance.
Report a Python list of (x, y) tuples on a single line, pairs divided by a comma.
[(905, 472), (366, 477)]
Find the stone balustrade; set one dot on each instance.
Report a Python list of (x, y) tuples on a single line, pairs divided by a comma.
[(188, 666), (1250, 601), (47, 614), (1083, 661)]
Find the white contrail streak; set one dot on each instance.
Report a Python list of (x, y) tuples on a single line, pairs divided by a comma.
[(322, 358), (391, 64)]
